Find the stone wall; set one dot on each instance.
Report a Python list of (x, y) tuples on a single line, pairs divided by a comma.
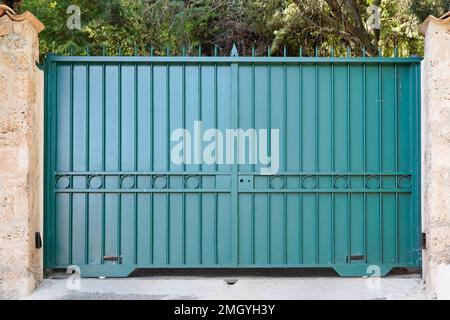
[(21, 150), (436, 155)]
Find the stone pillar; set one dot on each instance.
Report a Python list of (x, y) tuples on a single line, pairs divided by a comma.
[(436, 155), (21, 146)]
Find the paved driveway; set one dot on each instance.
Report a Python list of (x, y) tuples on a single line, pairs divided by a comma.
[(265, 288)]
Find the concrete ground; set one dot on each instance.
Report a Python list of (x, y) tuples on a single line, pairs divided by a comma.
[(237, 288)]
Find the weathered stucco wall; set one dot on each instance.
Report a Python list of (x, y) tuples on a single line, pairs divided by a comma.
[(21, 128), (436, 155)]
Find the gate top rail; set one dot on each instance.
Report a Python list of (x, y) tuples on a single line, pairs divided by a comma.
[(206, 59)]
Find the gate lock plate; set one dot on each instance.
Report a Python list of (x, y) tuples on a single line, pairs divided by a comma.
[(245, 182), (112, 259)]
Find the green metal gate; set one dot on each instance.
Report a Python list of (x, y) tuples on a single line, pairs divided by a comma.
[(346, 195)]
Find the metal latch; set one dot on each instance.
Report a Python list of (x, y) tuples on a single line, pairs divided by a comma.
[(355, 258), (113, 259)]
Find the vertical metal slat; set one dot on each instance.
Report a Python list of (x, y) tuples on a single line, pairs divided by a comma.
[(87, 160), (300, 130), (136, 152), (349, 195), (285, 237), (364, 162), (168, 162), (333, 214), (316, 159), (183, 116), (71, 168), (119, 200), (380, 157), (103, 249)]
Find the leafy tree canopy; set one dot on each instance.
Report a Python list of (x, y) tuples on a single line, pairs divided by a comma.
[(252, 24)]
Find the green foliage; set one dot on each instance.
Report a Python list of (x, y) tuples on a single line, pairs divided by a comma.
[(257, 24), (399, 28), (423, 9), (56, 37), (312, 23)]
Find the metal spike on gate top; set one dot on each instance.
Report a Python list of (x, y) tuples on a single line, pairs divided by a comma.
[(234, 51)]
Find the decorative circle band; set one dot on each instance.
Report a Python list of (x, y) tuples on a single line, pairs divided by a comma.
[(404, 182), (127, 182), (340, 182), (192, 182), (95, 182), (62, 182), (276, 182), (372, 182), (159, 182), (309, 182)]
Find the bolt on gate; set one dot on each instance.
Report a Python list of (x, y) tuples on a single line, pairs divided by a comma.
[(346, 194)]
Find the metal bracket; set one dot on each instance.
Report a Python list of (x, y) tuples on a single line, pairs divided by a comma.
[(424, 241), (38, 240), (246, 182)]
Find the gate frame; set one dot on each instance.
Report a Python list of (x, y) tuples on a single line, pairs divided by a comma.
[(234, 62)]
